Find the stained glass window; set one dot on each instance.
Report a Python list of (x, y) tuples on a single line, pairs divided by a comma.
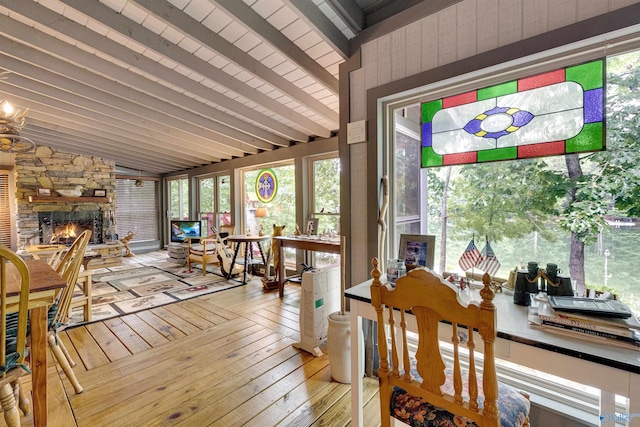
[(554, 113)]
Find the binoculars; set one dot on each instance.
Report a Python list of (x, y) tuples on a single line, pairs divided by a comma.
[(534, 279)]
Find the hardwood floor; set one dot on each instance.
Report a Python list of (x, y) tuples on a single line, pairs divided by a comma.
[(224, 359)]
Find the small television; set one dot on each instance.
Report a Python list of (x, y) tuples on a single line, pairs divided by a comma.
[(182, 230)]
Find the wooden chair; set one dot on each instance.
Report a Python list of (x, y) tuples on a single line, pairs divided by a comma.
[(13, 339), (423, 390), (204, 253), (69, 269)]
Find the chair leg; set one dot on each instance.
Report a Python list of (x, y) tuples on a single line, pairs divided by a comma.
[(23, 399), (64, 363), (8, 402), (66, 353)]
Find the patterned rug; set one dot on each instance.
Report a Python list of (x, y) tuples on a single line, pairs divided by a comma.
[(133, 287)]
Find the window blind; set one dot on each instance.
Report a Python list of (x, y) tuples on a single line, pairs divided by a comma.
[(5, 211), (137, 209)]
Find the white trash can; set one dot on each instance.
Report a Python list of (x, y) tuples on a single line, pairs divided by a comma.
[(339, 347)]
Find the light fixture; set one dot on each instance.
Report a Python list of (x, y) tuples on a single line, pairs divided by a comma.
[(139, 183), (11, 121), (261, 212)]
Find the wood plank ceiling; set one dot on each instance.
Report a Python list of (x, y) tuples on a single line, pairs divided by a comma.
[(161, 86)]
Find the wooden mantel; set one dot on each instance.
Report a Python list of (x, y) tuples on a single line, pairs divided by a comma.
[(61, 199)]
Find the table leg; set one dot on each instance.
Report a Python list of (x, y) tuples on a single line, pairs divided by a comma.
[(39, 364), (281, 272), (233, 261), (356, 369), (247, 247)]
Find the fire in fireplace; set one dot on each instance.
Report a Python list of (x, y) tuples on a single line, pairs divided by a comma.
[(64, 227)]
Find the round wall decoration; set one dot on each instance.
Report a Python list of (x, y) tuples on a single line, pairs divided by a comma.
[(266, 185)]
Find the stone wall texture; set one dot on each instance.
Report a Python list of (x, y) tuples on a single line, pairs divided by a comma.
[(52, 169)]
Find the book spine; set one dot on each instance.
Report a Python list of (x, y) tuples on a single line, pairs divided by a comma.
[(591, 332), (624, 332)]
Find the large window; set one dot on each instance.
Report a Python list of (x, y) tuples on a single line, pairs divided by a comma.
[(214, 195), (580, 211), (325, 191), (178, 189)]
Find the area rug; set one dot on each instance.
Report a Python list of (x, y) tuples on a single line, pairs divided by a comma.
[(125, 289)]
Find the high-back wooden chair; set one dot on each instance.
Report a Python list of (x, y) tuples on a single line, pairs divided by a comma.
[(13, 332), (423, 389), (68, 268)]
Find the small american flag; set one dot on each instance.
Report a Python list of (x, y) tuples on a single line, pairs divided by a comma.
[(470, 256), (488, 261)]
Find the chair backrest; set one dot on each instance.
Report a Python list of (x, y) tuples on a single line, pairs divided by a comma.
[(13, 269), (432, 301), (69, 268)]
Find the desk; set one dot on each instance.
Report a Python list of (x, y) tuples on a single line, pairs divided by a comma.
[(238, 239), (45, 282), (307, 244), (613, 370)]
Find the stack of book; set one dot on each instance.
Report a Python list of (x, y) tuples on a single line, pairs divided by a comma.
[(623, 332)]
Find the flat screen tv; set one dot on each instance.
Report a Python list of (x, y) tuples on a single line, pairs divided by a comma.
[(181, 230)]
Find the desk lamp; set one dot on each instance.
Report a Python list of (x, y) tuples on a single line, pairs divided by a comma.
[(261, 212)]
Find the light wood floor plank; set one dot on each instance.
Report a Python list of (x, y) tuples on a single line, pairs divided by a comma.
[(129, 338), (166, 329), (144, 330), (110, 344), (88, 349)]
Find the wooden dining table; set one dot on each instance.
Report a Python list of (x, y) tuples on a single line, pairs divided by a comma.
[(44, 284)]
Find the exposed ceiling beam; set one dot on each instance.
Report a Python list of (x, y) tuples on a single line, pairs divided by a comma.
[(350, 13), (112, 93), (252, 21), (158, 44), (75, 31), (179, 20), (88, 145), (309, 13)]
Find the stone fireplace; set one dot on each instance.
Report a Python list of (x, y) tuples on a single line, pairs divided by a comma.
[(40, 219)]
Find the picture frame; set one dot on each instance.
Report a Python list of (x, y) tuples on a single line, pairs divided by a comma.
[(417, 250), (44, 192), (98, 192), (311, 227)]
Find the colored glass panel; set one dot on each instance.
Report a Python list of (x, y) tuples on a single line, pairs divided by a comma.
[(429, 158), (590, 139), (540, 80), (429, 109), (540, 115), (498, 154), (463, 98), (589, 75), (498, 90)]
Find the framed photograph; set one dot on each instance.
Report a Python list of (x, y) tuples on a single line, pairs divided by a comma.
[(417, 250), (44, 191), (311, 227), (99, 193)]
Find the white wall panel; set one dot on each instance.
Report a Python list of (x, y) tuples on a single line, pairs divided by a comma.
[(487, 25), (413, 36), (535, 13), (370, 64), (360, 266), (590, 8), (398, 54), (384, 59), (447, 29), (466, 29), (357, 100), (561, 13), (429, 42), (509, 21)]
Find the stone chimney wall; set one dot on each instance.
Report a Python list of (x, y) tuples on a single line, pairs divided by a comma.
[(52, 169)]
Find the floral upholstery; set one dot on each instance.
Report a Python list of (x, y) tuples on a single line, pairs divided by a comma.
[(412, 410)]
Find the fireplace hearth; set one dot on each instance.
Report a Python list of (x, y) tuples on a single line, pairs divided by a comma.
[(64, 227)]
